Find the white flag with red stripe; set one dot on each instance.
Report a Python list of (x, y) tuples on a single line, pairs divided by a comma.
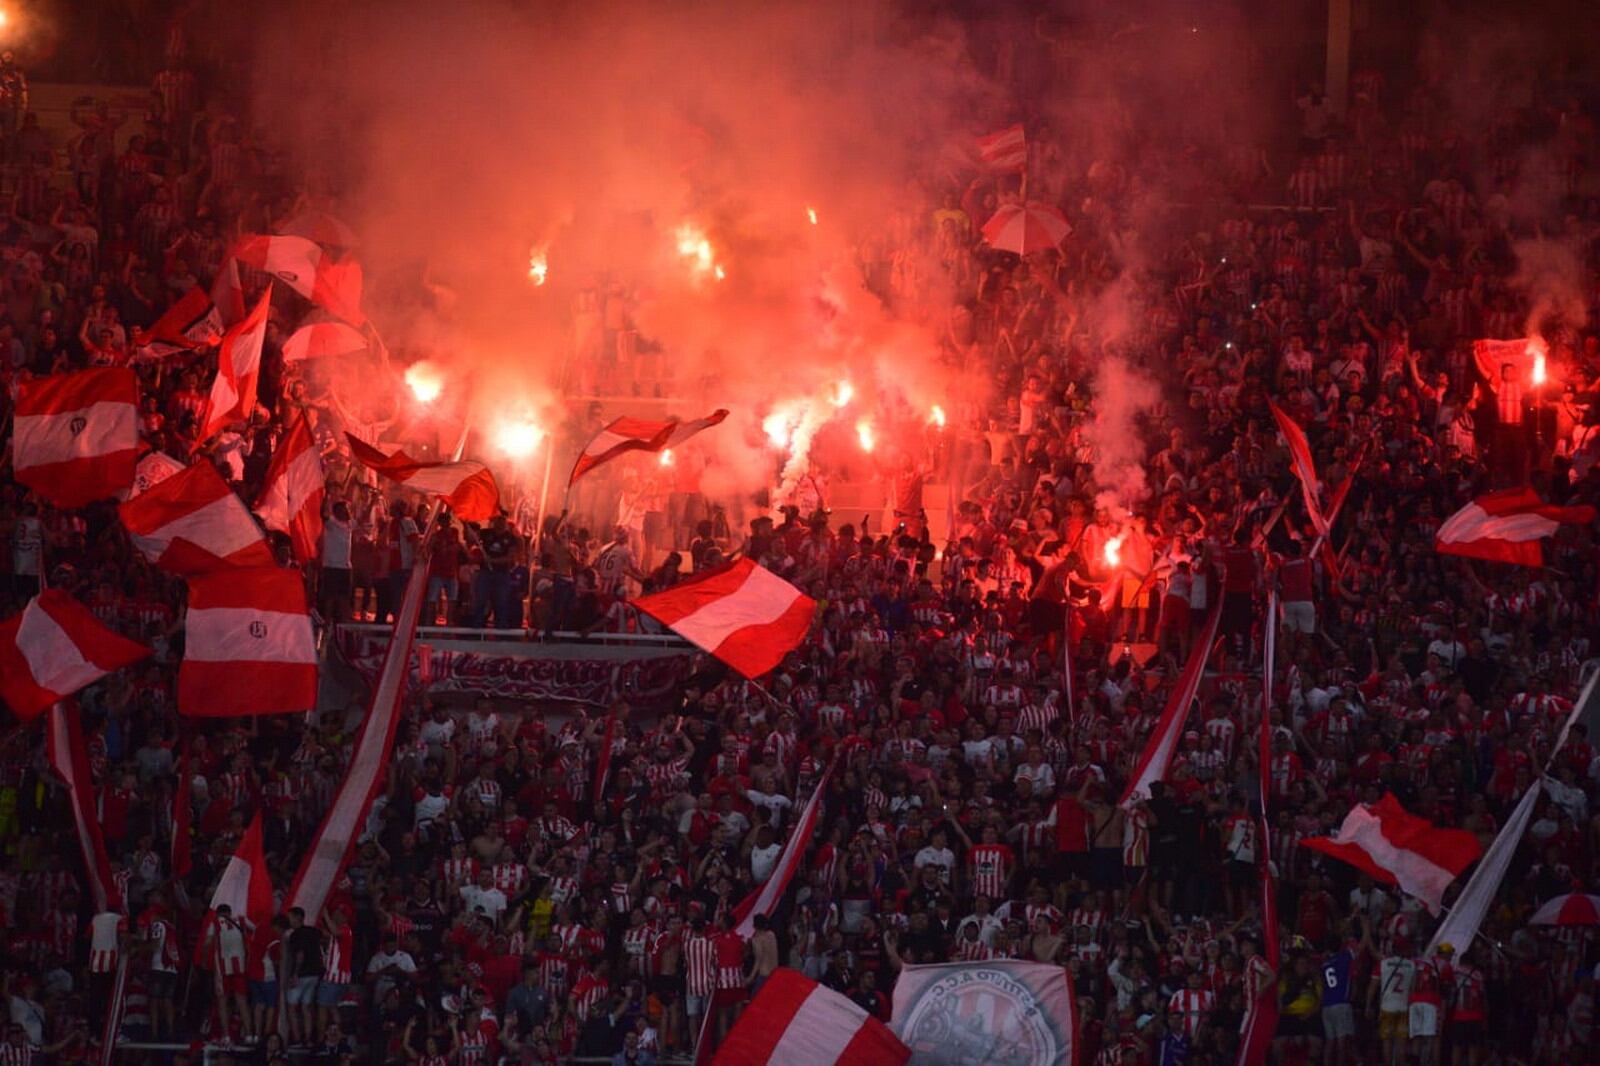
[(1506, 527), (1005, 150), (233, 391), (1394, 846), (322, 339), (193, 321), (291, 498), (249, 646), (1305, 467), (76, 436), (152, 470), (331, 283), (793, 1021), (638, 435), (1156, 758), (744, 614), (466, 486), (192, 523), (53, 648)]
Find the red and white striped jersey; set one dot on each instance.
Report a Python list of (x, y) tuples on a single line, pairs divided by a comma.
[(338, 952), (562, 889), (473, 1048), (989, 868), (555, 972), (164, 955), (229, 946), (105, 938), (1194, 1004), (487, 789), (638, 948), (588, 990), (510, 878), (24, 1054), (462, 871), (971, 951), (700, 960)]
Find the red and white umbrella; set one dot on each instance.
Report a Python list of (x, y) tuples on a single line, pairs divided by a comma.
[(1026, 228), (1575, 908)]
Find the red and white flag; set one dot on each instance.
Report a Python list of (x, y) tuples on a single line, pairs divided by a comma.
[(467, 486), (1305, 468), (1005, 150), (233, 391), (53, 648), (250, 648), (744, 614), (227, 292), (329, 282), (192, 523), (192, 322), (1506, 527), (152, 470), (291, 498), (1522, 354), (325, 859), (793, 1021), (1163, 743), (638, 435), (1396, 847), (69, 758), (246, 886), (322, 339), (765, 899), (76, 437)]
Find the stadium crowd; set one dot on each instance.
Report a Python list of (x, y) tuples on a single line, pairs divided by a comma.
[(492, 913)]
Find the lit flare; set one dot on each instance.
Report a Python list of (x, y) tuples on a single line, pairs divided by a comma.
[(936, 416), (425, 381), (811, 213), (538, 265), (1113, 550), (843, 393), (1538, 369), (518, 439), (865, 436)]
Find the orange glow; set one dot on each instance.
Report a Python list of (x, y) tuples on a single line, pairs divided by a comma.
[(779, 428), (1113, 550), (843, 393), (864, 435), (425, 381), (811, 213), (666, 457), (1538, 369), (695, 246), (538, 265), (936, 416), (518, 439)]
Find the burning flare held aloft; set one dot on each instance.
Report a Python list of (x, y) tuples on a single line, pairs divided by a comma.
[(936, 416), (538, 265), (695, 246), (1113, 550), (865, 436), (425, 380), (517, 438)]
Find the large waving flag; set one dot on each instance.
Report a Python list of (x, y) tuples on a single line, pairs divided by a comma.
[(322, 339), (793, 1021), (1163, 742), (55, 647), (192, 322), (1005, 151), (192, 523), (76, 436), (1305, 468), (250, 646), (467, 486), (1506, 527), (744, 614), (245, 886), (1394, 846), (291, 498), (329, 282), (233, 391), (953, 1013), (638, 435)]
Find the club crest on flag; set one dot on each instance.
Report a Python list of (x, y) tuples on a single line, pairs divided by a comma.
[(258, 630), (957, 1013), (78, 425)]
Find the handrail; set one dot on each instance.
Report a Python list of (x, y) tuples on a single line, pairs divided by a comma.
[(563, 637)]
